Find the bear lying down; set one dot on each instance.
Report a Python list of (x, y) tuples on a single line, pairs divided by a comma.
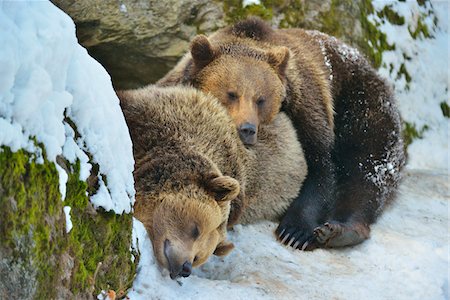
[(194, 177), (345, 115)]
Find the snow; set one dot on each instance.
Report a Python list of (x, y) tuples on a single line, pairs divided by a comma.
[(407, 256), (123, 8), (250, 2), (69, 224), (46, 77), (428, 66)]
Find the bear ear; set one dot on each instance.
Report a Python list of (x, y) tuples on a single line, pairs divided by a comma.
[(224, 248), (202, 51), (278, 58), (224, 188)]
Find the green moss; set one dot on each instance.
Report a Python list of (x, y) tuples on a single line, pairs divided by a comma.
[(331, 20), (31, 219), (390, 15), (293, 13), (421, 29), (99, 241), (235, 11), (445, 109), (32, 226), (404, 72), (374, 42), (410, 132)]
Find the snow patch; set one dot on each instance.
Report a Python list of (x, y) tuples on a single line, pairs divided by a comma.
[(123, 8), (250, 2), (427, 63), (68, 219)]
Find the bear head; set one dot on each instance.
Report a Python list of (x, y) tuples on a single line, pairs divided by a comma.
[(189, 224), (247, 80)]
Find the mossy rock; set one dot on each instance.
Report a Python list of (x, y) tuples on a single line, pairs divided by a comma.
[(345, 19), (38, 259)]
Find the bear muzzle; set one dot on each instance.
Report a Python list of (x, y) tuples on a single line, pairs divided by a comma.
[(248, 133), (177, 267)]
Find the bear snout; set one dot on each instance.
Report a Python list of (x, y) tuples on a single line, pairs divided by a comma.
[(176, 268), (186, 269), (248, 133)]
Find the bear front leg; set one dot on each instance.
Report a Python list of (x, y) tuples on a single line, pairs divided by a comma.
[(308, 108), (310, 208)]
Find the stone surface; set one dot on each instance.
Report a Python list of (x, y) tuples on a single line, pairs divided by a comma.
[(139, 41), (38, 258)]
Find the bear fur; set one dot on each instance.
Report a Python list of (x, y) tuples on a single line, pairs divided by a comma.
[(193, 176), (344, 113)]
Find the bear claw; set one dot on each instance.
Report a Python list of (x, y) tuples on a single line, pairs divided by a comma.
[(297, 238), (285, 238), (305, 245), (292, 240)]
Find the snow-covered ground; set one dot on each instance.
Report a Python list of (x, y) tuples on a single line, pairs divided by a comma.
[(407, 256)]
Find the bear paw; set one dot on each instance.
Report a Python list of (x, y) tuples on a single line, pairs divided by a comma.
[(336, 234), (296, 236), (327, 231)]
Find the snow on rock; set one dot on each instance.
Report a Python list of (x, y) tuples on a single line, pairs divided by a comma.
[(250, 2), (427, 63), (46, 77), (69, 224)]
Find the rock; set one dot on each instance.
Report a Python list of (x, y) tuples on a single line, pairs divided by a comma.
[(139, 41), (38, 258)]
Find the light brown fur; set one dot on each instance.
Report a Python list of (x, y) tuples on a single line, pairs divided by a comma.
[(192, 171), (253, 69)]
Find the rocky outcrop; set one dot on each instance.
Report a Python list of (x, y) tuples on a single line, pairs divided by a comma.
[(139, 41), (38, 258), (66, 182)]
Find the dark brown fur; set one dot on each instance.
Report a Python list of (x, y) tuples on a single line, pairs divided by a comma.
[(345, 115), (193, 175)]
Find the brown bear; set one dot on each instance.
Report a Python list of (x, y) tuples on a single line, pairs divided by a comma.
[(194, 176), (344, 112)]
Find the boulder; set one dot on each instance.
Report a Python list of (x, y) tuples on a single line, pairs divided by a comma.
[(139, 41)]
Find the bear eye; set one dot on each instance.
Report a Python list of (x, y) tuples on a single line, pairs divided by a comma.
[(195, 258), (261, 100), (195, 232), (232, 95)]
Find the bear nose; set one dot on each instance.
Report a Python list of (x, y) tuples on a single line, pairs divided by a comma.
[(247, 133), (176, 269), (186, 269)]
